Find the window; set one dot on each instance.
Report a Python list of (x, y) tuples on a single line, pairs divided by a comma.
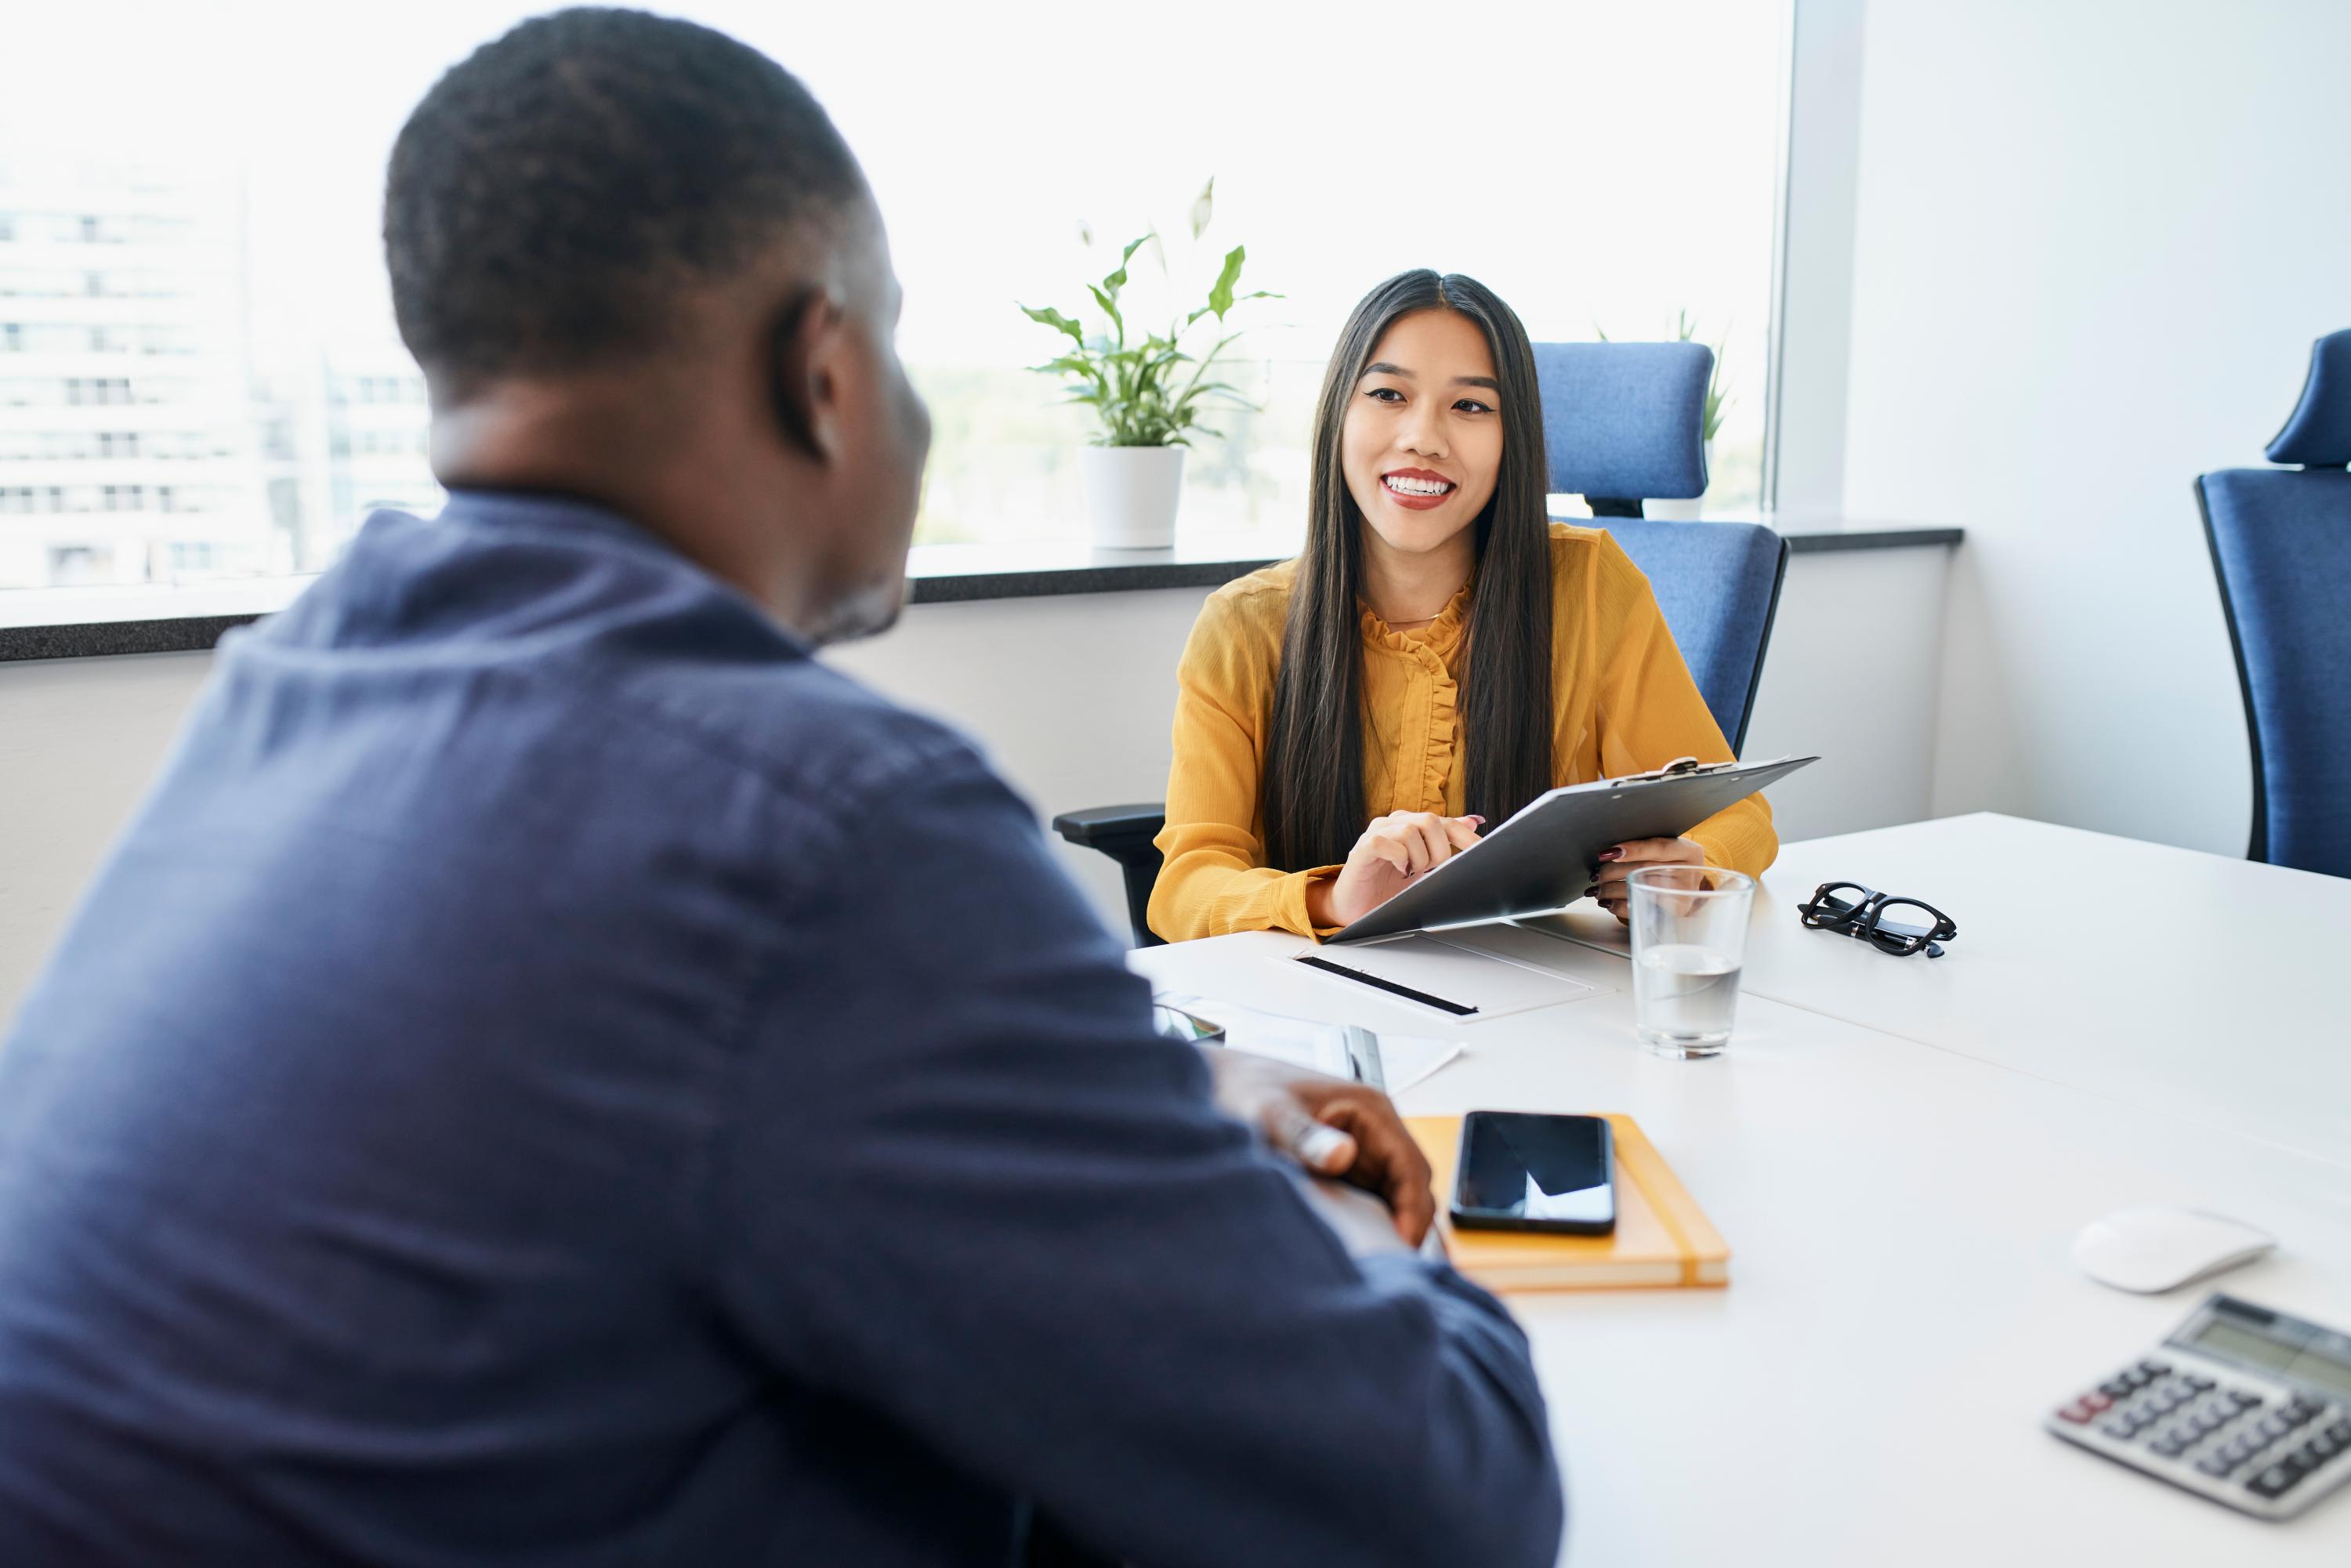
[(1602, 167)]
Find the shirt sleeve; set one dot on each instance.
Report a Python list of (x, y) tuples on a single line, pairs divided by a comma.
[(1214, 879), (965, 1189), (1651, 712)]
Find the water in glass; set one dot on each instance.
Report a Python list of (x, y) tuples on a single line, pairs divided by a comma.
[(1685, 995)]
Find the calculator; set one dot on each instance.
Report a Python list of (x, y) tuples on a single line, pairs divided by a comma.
[(2243, 1405)]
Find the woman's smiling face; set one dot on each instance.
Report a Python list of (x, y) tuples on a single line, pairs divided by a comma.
[(1421, 443)]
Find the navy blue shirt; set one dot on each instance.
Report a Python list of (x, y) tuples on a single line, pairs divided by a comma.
[(554, 1074)]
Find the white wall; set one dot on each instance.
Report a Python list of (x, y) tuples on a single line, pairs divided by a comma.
[(1071, 696), (2092, 243), (80, 739), (1814, 335)]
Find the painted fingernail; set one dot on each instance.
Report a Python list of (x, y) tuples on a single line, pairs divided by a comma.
[(1473, 817), (1617, 855)]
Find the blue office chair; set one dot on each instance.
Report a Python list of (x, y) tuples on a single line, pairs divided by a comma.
[(1620, 421), (1623, 420), (2281, 542)]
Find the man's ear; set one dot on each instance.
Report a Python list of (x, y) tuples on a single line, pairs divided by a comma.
[(805, 350)]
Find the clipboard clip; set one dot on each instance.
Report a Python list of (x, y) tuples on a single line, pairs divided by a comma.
[(1679, 767)]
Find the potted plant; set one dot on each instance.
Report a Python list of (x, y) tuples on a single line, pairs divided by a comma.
[(1709, 420), (1148, 396)]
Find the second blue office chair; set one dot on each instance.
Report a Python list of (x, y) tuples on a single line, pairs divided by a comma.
[(1621, 423), (2281, 543)]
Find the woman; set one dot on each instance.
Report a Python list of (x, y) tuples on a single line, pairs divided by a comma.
[(1439, 654)]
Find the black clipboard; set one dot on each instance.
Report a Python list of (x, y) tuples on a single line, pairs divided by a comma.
[(1543, 857)]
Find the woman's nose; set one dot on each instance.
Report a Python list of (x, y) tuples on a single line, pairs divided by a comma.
[(1424, 437)]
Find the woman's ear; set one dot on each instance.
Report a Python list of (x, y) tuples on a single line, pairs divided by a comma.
[(804, 371)]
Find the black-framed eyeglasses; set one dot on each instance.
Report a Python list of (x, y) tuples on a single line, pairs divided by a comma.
[(1863, 913)]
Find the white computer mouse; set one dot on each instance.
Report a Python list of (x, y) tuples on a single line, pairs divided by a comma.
[(2155, 1248)]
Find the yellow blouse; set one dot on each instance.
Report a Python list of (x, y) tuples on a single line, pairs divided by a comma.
[(1627, 704)]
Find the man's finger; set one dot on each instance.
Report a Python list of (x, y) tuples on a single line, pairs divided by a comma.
[(1388, 1160), (1318, 1147)]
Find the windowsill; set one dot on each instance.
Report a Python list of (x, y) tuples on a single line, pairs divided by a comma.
[(94, 623)]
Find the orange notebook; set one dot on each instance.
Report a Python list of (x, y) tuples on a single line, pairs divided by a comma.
[(1661, 1238)]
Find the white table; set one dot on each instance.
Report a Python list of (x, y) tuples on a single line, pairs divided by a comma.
[(1902, 1308), (2216, 990)]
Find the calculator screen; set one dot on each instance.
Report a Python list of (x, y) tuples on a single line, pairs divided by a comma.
[(2308, 1363), (2243, 1346)]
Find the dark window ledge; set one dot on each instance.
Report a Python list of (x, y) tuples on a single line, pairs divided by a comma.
[(938, 574)]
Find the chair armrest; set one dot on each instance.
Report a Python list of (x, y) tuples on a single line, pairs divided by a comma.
[(1118, 831)]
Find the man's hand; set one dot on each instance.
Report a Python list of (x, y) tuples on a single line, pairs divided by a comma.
[(1621, 860), (1333, 1128)]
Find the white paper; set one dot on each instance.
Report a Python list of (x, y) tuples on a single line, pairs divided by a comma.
[(1404, 1058), (1494, 986)]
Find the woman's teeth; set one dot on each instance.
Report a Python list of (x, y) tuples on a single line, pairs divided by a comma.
[(1404, 487)]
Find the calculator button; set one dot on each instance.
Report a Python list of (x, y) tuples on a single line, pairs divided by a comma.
[(2246, 1401), (2218, 1464), (2279, 1478), (2200, 1385), (2154, 1368), (2298, 1412), (2273, 1426), (2095, 1401), (2075, 1413), (2117, 1387), (2341, 1433), (2121, 1427)]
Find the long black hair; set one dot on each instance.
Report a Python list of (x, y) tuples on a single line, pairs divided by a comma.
[(1312, 793)]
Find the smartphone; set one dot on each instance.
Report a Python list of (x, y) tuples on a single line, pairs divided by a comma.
[(1521, 1171)]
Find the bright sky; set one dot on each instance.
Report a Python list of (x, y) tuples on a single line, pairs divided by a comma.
[(1594, 162)]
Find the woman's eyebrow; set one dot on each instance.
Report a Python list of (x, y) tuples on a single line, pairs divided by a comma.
[(1385, 368)]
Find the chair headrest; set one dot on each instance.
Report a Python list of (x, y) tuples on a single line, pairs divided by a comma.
[(2319, 434), (1623, 419)]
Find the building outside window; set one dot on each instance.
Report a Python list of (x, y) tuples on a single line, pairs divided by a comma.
[(1612, 170)]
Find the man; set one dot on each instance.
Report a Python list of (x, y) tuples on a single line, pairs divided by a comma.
[(556, 1075)]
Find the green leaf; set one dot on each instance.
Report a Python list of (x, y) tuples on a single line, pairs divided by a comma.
[(1204, 206), (1221, 296), (1048, 317), (1110, 308), (1117, 279)]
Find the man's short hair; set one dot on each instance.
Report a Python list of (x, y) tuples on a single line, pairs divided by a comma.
[(558, 190)]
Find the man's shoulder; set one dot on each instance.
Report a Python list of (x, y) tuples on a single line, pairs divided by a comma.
[(803, 727), (588, 638)]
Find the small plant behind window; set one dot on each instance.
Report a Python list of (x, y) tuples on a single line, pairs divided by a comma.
[(1150, 393)]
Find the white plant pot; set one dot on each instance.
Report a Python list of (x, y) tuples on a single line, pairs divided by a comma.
[(1683, 511), (1131, 495)]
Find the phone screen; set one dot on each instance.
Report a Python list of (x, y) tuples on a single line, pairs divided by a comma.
[(1527, 1171)]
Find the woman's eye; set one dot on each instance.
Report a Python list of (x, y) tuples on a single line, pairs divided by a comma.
[(1386, 394), (1472, 405)]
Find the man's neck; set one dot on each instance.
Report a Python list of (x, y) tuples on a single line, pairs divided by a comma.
[(598, 445)]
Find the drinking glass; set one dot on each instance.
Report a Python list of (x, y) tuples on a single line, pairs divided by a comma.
[(1689, 939)]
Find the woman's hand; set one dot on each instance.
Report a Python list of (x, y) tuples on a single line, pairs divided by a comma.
[(1393, 850), (1608, 877)]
